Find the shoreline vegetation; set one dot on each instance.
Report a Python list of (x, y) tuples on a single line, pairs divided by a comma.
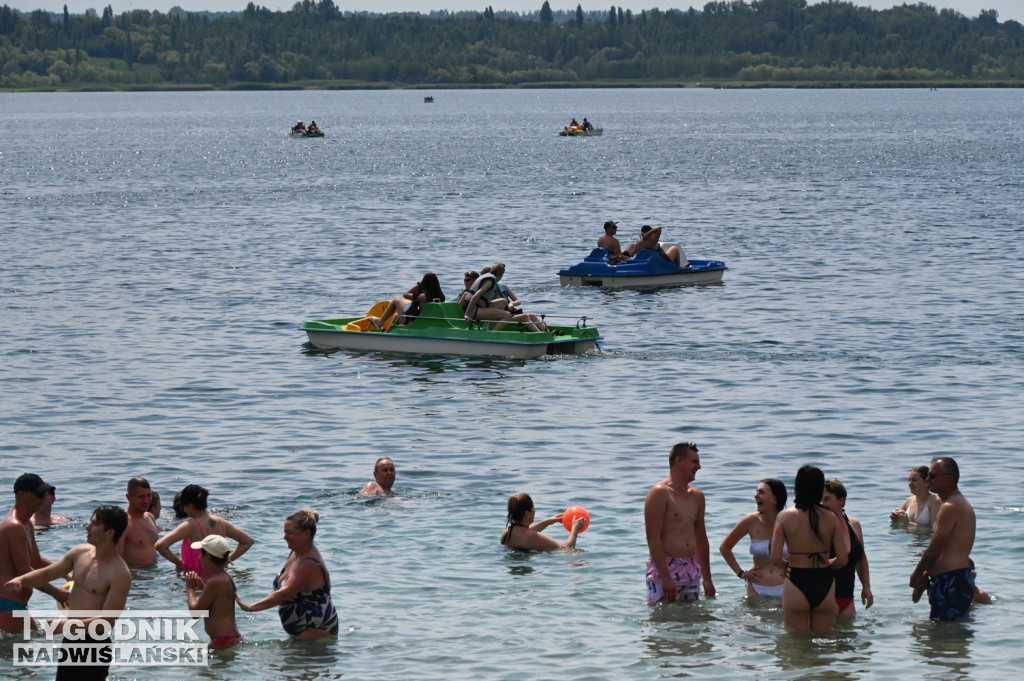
[(734, 45)]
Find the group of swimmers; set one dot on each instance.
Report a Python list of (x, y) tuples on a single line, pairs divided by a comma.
[(117, 538), (816, 583), (484, 298)]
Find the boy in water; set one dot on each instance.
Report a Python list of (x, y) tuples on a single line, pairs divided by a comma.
[(218, 592)]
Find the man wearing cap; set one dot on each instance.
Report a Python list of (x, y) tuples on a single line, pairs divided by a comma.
[(608, 241), (137, 545), (218, 592), (19, 553), (383, 479)]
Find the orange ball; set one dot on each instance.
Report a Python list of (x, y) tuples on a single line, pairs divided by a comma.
[(574, 512)]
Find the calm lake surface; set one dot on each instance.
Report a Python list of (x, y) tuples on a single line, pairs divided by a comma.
[(160, 251)]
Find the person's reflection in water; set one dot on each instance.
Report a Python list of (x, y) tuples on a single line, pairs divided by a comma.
[(944, 648), (683, 633)]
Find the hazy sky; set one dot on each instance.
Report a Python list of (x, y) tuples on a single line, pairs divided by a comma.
[(1008, 9)]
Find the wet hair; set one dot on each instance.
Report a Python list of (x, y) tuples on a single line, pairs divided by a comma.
[(431, 287), (518, 506), (837, 488), (306, 519), (376, 464), (778, 489), (137, 482), (179, 511), (681, 451), (807, 490), (949, 466), (112, 518), (154, 504), (922, 471), (195, 496)]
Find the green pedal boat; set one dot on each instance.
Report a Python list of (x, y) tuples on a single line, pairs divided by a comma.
[(440, 329)]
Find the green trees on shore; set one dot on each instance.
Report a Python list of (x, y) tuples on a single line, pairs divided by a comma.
[(766, 41)]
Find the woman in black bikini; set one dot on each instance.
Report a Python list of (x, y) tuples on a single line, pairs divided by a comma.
[(811, 531)]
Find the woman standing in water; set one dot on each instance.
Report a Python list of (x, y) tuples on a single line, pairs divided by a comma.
[(810, 531), (764, 579), (302, 590), (921, 507), (834, 499)]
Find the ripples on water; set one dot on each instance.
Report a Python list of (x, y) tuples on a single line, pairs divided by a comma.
[(161, 250)]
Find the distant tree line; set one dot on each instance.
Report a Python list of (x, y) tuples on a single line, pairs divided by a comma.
[(765, 41)]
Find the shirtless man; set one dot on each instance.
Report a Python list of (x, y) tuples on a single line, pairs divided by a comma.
[(44, 517), (383, 479), (678, 541), (609, 242), (101, 577), (137, 542), (944, 569), (18, 550), (650, 237)]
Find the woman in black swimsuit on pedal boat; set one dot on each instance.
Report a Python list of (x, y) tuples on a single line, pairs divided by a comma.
[(811, 531)]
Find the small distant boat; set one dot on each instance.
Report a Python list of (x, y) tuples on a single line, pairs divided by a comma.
[(428, 100), (440, 329), (647, 269), (306, 133), (593, 132)]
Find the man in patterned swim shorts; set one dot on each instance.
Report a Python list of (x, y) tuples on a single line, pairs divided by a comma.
[(679, 561), (944, 569)]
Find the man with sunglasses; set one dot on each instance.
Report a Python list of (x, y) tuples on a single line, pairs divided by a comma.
[(19, 553), (944, 569)]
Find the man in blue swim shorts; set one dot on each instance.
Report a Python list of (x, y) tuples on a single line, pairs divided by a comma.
[(18, 551), (680, 558), (944, 569)]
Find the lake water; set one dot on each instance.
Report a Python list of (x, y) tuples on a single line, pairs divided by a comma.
[(160, 251)]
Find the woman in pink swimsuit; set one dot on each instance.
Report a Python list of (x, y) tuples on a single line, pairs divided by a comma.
[(191, 503)]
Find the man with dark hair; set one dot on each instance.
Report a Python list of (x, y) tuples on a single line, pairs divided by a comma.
[(102, 580), (650, 237), (608, 240), (383, 479), (137, 546), (680, 557), (19, 553), (944, 569)]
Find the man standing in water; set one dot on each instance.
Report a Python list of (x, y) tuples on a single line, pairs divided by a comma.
[(944, 569), (137, 545), (18, 551), (680, 557), (383, 479), (102, 581)]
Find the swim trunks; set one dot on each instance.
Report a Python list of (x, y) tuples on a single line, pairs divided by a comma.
[(225, 641), (814, 583), (950, 595), (7, 605), (85, 654), (685, 573)]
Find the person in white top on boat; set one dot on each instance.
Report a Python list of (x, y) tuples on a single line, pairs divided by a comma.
[(921, 507), (483, 306), (383, 479), (650, 237)]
